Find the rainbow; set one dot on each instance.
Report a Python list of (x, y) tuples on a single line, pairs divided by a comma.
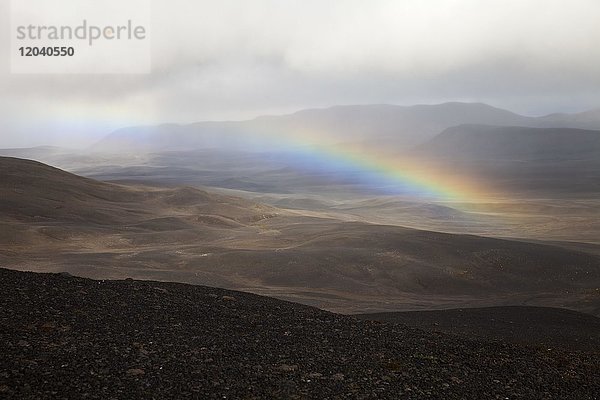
[(374, 168), (396, 176), (370, 166)]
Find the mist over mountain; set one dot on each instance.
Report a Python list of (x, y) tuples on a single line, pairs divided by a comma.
[(584, 120), (398, 125)]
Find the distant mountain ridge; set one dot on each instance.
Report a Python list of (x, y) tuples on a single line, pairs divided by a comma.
[(400, 127), (513, 142), (584, 120)]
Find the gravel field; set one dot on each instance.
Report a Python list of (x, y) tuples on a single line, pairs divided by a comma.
[(67, 337)]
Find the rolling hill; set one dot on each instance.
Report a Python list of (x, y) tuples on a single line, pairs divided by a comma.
[(534, 162), (55, 221)]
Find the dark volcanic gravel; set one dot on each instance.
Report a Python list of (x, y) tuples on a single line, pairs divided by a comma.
[(65, 337), (535, 326)]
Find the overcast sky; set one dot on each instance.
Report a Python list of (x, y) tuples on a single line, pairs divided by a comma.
[(230, 59)]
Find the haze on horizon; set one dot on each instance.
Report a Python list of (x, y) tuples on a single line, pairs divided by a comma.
[(237, 60)]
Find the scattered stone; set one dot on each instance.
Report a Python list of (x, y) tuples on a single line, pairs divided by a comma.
[(228, 298), (338, 377), (135, 372), (199, 348), (48, 327), (287, 368)]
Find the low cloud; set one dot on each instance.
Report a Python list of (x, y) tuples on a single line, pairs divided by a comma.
[(236, 59)]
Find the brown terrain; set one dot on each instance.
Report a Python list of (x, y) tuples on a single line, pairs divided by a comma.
[(54, 221)]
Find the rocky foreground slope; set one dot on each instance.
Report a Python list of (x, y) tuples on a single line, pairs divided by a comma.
[(535, 326), (66, 337)]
